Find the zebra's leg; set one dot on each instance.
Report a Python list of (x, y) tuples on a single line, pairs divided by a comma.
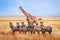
[(38, 32), (25, 31), (34, 32), (31, 32), (50, 32), (43, 31), (13, 31), (20, 31)]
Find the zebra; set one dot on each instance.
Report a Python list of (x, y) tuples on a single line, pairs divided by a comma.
[(46, 29), (22, 28), (30, 28), (14, 28)]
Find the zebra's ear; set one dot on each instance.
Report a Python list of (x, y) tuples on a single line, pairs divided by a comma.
[(10, 22), (17, 22)]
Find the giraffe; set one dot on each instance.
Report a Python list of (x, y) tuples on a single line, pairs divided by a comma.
[(30, 18)]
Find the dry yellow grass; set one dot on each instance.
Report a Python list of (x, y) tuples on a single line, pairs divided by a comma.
[(6, 34)]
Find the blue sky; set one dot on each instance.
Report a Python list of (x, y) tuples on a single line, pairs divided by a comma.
[(34, 7)]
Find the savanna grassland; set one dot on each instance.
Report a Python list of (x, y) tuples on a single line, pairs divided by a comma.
[(6, 32)]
